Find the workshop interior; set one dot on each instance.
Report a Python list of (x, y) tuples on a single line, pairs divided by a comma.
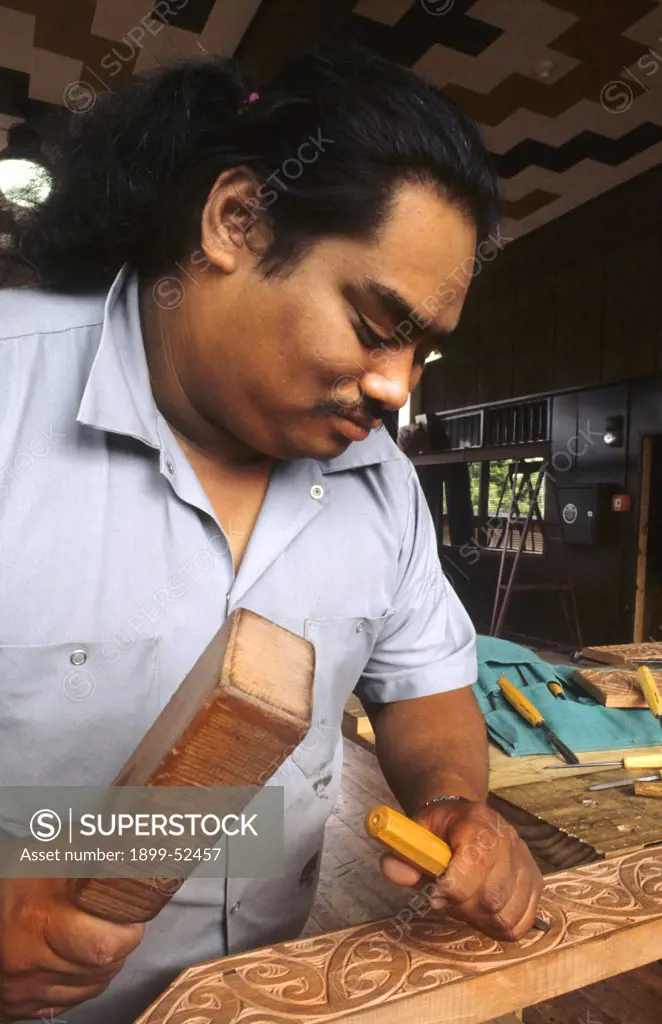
[(534, 435)]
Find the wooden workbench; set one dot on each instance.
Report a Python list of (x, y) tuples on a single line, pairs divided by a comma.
[(302, 981), (504, 770), (560, 829)]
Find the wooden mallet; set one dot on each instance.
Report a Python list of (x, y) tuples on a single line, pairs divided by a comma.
[(239, 713)]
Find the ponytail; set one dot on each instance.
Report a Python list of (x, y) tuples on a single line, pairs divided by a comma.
[(328, 139)]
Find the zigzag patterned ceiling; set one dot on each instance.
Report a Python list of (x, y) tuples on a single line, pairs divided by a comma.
[(568, 92), (595, 122)]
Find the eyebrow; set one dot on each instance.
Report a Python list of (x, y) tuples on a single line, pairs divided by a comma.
[(398, 307)]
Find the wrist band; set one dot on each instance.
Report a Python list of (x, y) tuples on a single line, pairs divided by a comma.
[(444, 799)]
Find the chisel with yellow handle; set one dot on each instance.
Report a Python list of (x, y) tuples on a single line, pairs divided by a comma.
[(530, 714), (624, 783), (415, 843), (635, 762), (650, 691)]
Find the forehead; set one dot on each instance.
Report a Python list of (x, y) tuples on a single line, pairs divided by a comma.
[(422, 250)]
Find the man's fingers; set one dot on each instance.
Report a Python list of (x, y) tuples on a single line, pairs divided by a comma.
[(88, 941), (518, 916), (71, 975), (472, 863), (28, 1000), (511, 917), (398, 872), (476, 848), (512, 921)]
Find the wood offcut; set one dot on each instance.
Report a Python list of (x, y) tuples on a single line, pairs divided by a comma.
[(615, 687), (649, 789), (624, 654)]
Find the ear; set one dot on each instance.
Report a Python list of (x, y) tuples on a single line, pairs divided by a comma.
[(233, 220)]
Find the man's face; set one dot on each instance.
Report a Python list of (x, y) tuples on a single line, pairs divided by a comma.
[(302, 364)]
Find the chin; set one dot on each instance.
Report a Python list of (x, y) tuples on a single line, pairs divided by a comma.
[(327, 449), (314, 443)]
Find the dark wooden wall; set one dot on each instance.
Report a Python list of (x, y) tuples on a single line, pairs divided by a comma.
[(573, 310), (576, 303), (603, 574)]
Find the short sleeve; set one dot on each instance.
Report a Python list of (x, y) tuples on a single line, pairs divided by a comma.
[(428, 644)]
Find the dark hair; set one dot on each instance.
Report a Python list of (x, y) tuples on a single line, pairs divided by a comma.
[(131, 176)]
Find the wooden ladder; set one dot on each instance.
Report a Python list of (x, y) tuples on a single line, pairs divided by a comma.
[(504, 590)]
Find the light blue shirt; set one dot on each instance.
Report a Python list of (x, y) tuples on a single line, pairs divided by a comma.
[(115, 574)]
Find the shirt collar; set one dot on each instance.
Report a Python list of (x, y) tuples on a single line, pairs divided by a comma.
[(377, 447), (118, 394)]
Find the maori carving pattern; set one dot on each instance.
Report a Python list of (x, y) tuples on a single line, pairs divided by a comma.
[(646, 651), (316, 980)]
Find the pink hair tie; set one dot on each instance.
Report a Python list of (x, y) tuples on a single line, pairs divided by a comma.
[(251, 99)]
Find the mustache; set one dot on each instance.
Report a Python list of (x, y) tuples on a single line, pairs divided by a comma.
[(365, 408)]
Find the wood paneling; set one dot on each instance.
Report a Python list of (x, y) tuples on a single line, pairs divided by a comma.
[(494, 379), (283, 27), (576, 303), (578, 316), (533, 336), (433, 386), (462, 355), (630, 308)]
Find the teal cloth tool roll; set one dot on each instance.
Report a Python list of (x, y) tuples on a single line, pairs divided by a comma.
[(579, 721)]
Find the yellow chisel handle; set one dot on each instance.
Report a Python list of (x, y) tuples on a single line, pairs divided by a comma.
[(409, 839), (415, 843), (643, 761), (650, 690), (521, 703)]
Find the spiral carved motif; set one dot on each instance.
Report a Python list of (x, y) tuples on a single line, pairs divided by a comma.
[(330, 976)]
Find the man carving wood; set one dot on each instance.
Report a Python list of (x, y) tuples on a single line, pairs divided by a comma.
[(233, 290)]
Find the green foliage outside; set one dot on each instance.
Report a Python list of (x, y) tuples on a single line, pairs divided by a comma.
[(499, 481)]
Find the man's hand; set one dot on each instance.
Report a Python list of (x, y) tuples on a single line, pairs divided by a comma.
[(53, 955), (492, 882)]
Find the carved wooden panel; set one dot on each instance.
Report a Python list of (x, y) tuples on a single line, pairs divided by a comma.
[(616, 687), (624, 654), (564, 825), (605, 918)]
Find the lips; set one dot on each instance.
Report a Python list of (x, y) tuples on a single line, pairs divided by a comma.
[(365, 422), (354, 428)]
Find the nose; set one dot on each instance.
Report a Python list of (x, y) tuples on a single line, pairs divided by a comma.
[(390, 378)]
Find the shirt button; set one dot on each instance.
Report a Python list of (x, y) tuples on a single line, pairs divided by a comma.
[(360, 627), (316, 492), (170, 467), (78, 657), (236, 907)]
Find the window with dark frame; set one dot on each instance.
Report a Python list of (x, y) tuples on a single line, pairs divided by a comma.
[(499, 489)]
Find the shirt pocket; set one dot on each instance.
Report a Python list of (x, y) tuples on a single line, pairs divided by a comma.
[(342, 649), (70, 715)]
